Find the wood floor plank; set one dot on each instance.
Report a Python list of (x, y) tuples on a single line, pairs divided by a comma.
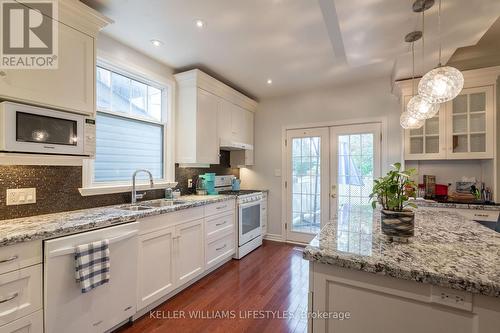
[(272, 280)]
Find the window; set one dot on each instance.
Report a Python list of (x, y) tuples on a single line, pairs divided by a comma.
[(131, 128)]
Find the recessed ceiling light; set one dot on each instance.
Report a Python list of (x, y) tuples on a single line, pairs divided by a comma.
[(156, 42), (269, 81), (200, 23)]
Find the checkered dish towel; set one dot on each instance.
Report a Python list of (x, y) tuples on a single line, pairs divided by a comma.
[(92, 265)]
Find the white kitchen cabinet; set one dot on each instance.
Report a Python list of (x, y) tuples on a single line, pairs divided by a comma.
[(227, 123), (470, 119), (71, 86), (155, 277), (189, 251), (429, 141), (197, 141), (32, 323), (465, 126)]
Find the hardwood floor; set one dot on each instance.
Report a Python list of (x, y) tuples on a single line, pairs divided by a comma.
[(273, 278)]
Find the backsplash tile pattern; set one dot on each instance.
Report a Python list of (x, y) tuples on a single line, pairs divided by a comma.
[(57, 188)]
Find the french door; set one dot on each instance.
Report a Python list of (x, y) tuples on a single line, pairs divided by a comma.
[(355, 156), (328, 169), (307, 183)]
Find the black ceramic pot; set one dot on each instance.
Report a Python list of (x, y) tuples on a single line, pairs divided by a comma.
[(398, 224)]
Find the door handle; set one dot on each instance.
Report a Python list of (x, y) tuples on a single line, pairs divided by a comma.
[(333, 192), (11, 297)]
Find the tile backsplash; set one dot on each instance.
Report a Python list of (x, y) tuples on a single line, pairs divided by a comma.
[(57, 188)]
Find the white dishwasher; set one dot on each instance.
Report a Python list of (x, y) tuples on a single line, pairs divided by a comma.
[(66, 308)]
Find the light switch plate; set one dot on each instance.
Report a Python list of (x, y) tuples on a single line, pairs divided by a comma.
[(21, 196)]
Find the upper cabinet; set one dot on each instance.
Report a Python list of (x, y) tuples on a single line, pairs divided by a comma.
[(471, 124), (464, 128), (71, 86), (211, 116)]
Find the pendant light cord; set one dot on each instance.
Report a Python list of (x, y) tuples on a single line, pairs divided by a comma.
[(439, 31), (423, 42), (413, 68)]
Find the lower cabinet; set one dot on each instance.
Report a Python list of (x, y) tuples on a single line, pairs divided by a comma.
[(155, 277), (32, 323), (189, 251)]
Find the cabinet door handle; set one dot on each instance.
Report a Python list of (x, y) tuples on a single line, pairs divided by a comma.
[(221, 207), (176, 237), (481, 215), (219, 224), (11, 297), (14, 257), (97, 323), (220, 248), (3, 74)]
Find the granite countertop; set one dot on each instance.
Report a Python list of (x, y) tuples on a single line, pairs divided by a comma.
[(448, 250), (60, 224), (435, 204)]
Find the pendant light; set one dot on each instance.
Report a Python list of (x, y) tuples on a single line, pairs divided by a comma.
[(407, 119), (419, 107), (443, 83)]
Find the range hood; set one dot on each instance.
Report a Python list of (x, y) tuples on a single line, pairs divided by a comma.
[(232, 145)]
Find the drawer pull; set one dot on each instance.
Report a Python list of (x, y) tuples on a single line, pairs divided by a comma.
[(97, 323), (221, 207), (219, 224), (14, 257), (11, 297), (221, 248), (481, 215)]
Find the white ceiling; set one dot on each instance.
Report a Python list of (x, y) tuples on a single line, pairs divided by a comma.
[(300, 44)]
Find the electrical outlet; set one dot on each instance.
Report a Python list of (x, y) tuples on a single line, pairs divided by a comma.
[(190, 183), (453, 298), (21, 196)]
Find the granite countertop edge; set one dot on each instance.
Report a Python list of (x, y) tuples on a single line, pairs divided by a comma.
[(55, 225), (353, 262)]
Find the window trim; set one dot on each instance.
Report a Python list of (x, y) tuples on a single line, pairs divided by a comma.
[(167, 86)]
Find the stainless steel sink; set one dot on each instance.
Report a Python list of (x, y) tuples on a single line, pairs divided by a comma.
[(135, 208), (164, 203)]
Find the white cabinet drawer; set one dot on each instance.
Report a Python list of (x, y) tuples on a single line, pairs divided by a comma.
[(219, 250), (219, 207), (20, 293), (20, 255), (32, 323), (158, 222), (479, 215), (219, 225)]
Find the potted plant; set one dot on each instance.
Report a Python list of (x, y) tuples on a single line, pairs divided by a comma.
[(392, 192)]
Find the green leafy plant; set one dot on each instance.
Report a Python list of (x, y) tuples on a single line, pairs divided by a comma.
[(394, 189)]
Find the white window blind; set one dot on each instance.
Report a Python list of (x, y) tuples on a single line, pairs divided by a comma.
[(129, 128), (124, 145)]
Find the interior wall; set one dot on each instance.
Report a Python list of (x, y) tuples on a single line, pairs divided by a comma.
[(371, 99)]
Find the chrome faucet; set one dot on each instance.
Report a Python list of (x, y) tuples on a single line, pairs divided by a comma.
[(136, 195)]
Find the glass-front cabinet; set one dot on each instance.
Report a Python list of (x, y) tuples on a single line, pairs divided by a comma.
[(429, 141), (470, 133), (463, 129)]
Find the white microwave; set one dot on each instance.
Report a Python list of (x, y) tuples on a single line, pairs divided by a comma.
[(30, 129)]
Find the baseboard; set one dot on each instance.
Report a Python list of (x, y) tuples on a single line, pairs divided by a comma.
[(274, 237)]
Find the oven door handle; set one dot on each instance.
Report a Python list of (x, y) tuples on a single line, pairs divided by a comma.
[(250, 204)]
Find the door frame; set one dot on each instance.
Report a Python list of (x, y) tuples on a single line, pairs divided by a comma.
[(354, 121)]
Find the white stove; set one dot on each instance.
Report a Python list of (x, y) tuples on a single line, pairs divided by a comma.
[(248, 212)]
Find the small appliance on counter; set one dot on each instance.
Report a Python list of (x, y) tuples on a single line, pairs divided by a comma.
[(206, 184), (235, 184)]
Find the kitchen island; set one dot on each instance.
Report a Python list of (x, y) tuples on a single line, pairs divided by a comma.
[(446, 279)]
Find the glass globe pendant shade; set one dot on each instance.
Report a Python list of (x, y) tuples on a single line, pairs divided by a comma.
[(408, 122), (441, 84), (420, 108)]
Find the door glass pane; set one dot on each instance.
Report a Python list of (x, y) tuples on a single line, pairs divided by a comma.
[(478, 102), (460, 144), (478, 143), (416, 145), (306, 187), (460, 104), (355, 169)]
